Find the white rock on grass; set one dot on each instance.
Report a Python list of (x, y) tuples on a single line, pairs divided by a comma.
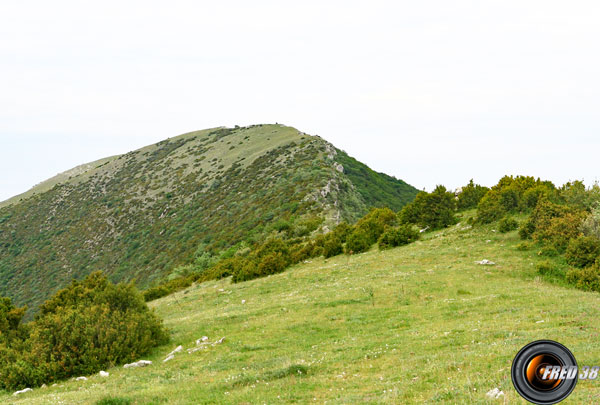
[(486, 262), (81, 379), (494, 394), (22, 391), (204, 343), (203, 339), (103, 373), (243, 301), (141, 363), (169, 357), (177, 350)]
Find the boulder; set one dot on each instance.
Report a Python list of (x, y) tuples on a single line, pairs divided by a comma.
[(486, 262), (141, 363), (203, 339), (103, 374), (176, 350), (169, 357), (22, 391), (494, 394), (81, 379)]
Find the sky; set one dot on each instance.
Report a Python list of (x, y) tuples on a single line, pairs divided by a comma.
[(432, 92)]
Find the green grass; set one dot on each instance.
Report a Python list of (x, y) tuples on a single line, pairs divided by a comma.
[(417, 324)]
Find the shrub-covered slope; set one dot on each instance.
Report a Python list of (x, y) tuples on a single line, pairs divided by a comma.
[(137, 216)]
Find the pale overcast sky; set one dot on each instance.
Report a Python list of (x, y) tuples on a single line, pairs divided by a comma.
[(429, 91)]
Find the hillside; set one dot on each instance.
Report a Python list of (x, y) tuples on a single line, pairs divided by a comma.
[(139, 215), (419, 323)]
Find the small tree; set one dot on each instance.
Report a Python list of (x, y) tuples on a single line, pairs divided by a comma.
[(434, 210), (470, 195)]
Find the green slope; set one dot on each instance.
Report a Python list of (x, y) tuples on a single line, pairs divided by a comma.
[(139, 215), (417, 324)]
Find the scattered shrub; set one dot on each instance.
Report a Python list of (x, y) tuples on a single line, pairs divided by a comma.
[(548, 251), (576, 195), (399, 236), (342, 231), (90, 325), (513, 194), (527, 229), (507, 224), (434, 210), (559, 231), (546, 268), (333, 247), (375, 222), (583, 251), (470, 195), (358, 241), (552, 224), (586, 279)]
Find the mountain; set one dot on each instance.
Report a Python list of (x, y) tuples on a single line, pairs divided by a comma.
[(139, 215)]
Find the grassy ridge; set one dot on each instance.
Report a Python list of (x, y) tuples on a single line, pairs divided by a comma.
[(420, 323)]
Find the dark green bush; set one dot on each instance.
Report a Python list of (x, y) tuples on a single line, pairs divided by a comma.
[(470, 195), (586, 279), (399, 236), (359, 241), (583, 251), (434, 210), (507, 224), (548, 251), (374, 223), (513, 194), (90, 325), (552, 224), (333, 247), (368, 229), (527, 229), (343, 230), (559, 231)]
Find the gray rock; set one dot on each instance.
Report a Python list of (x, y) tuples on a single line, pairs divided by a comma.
[(103, 374), (486, 262), (494, 394), (141, 363), (177, 350), (22, 391), (81, 379), (203, 339)]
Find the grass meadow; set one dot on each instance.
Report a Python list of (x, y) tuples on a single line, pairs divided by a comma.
[(421, 323)]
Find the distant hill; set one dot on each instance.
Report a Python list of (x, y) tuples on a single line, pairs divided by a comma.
[(137, 216)]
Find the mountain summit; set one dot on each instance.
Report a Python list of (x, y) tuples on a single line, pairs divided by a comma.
[(139, 215)]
